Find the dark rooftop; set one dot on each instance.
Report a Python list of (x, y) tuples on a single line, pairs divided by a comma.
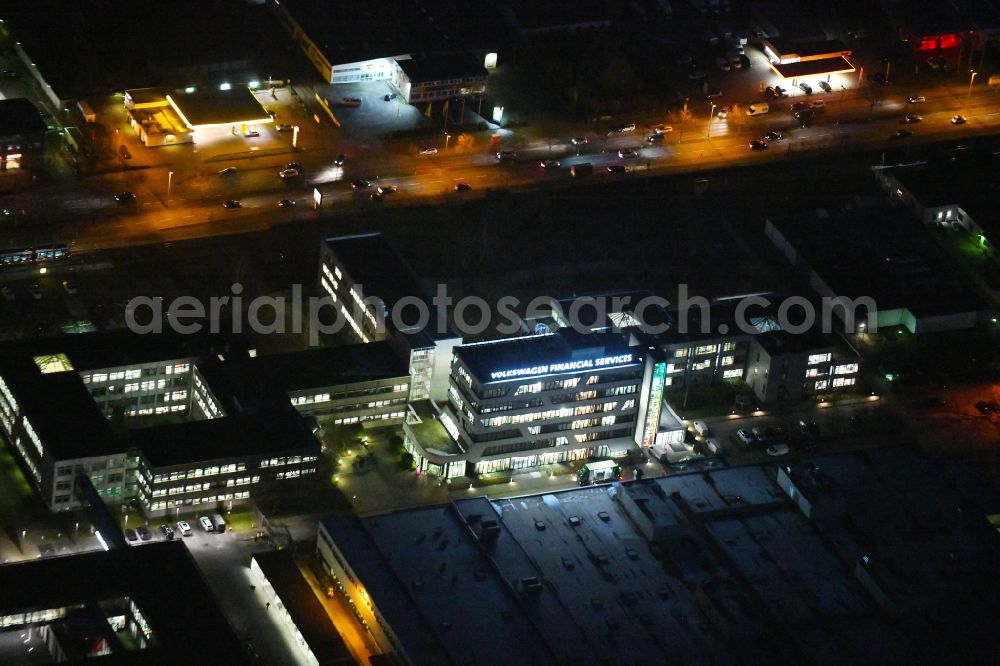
[(565, 345), (533, 15), (140, 573), (436, 68), (20, 116), (210, 106), (969, 183), (307, 613), (879, 251)]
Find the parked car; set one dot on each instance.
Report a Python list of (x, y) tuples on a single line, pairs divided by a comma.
[(184, 527), (143, 533), (389, 97), (231, 203), (825, 86), (130, 535), (167, 531), (745, 436), (777, 450), (759, 434), (806, 88), (206, 523)]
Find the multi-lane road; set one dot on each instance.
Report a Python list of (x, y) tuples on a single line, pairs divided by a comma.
[(85, 215)]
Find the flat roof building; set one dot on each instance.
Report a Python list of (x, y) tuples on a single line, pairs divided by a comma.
[(793, 59), (148, 605), (380, 298), (878, 252), (22, 131), (703, 567)]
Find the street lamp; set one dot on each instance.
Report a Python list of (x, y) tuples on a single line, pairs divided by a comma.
[(170, 182), (295, 137), (711, 115), (447, 138), (971, 79)]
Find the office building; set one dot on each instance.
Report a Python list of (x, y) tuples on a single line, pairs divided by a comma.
[(380, 298)]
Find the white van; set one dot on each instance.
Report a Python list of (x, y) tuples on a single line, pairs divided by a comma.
[(700, 428), (757, 109), (206, 524)]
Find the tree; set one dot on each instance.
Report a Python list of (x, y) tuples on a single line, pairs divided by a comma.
[(737, 117), (396, 442), (465, 143), (406, 461), (679, 117)]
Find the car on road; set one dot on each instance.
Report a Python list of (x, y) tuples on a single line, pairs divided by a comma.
[(817, 105), (125, 197), (339, 160), (8, 295), (429, 151), (916, 99), (283, 127), (388, 97), (36, 292), (780, 92), (387, 189), (745, 436), (723, 113), (805, 117), (12, 213), (294, 165), (288, 173), (232, 203), (627, 154), (777, 450), (662, 129), (506, 156), (578, 140), (9, 74), (825, 86), (958, 120), (252, 133), (550, 164), (623, 129), (206, 523), (124, 152), (350, 101), (615, 168), (375, 196), (655, 138), (903, 133), (798, 106), (806, 88), (69, 287), (774, 136), (167, 531), (909, 120), (462, 187), (229, 171), (758, 144), (286, 203), (184, 528), (361, 185), (130, 535), (143, 533)]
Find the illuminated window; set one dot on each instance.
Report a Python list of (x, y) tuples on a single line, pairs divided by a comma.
[(847, 369), (53, 363), (728, 360), (735, 373), (822, 384), (819, 358)]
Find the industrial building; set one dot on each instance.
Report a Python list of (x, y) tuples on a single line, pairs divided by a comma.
[(877, 252), (22, 133), (163, 117), (823, 561)]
